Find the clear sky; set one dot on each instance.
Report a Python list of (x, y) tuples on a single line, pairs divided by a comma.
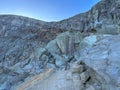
[(47, 10)]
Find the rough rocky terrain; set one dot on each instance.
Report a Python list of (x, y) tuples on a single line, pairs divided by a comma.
[(104, 17), (79, 53)]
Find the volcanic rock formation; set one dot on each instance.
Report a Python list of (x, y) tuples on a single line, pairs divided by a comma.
[(82, 51)]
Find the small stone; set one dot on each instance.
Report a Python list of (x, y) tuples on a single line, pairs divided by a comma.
[(44, 57), (59, 61), (69, 76), (84, 76), (77, 69)]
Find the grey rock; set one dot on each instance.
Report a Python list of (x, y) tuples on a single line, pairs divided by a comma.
[(65, 44), (32, 46), (59, 61), (84, 76), (77, 68), (66, 80), (104, 17)]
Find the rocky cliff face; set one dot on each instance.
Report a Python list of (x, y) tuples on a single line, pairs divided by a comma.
[(29, 47), (104, 17)]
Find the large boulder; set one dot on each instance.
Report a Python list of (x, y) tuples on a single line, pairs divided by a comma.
[(103, 57), (66, 43)]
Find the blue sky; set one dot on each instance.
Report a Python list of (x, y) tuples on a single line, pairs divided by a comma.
[(47, 10)]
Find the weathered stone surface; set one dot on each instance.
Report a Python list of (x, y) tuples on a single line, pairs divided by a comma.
[(104, 17), (66, 43), (65, 80), (84, 76), (23, 41), (29, 46), (104, 58), (76, 68)]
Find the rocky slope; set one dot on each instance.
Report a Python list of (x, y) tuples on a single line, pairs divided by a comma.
[(97, 68), (104, 17), (29, 47)]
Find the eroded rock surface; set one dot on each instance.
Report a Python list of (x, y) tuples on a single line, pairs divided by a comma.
[(104, 17), (29, 47), (104, 58), (79, 77), (98, 69)]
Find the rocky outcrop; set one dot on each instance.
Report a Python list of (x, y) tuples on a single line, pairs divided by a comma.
[(96, 69), (104, 17), (23, 40), (29, 46), (22, 56), (105, 59)]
